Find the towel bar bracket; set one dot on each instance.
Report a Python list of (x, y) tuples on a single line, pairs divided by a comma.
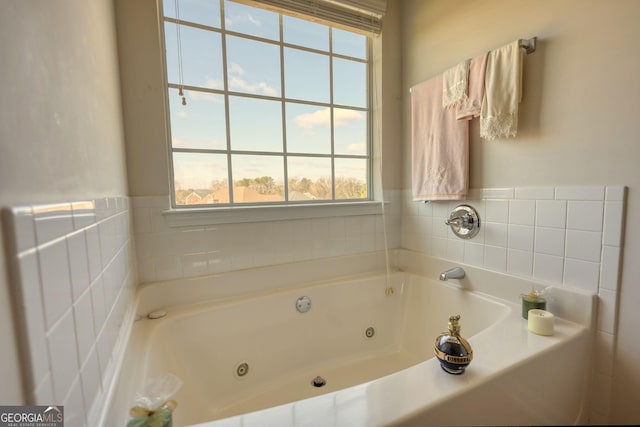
[(529, 45)]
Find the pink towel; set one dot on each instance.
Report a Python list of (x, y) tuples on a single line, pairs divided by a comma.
[(471, 106), (439, 144)]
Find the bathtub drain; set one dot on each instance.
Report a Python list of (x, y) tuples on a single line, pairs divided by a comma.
[(318, 381)]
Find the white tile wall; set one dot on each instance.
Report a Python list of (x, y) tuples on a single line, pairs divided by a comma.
[(55, 280), (522, 212), (74, 279), (165, 253), (565, 236), (548, 268)]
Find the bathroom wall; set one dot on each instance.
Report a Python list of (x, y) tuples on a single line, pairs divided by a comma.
[(73, 286), (62, 135), (61, 140), (166, 252), (577, 127)]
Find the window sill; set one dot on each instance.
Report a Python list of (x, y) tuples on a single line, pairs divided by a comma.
[(245, 214)]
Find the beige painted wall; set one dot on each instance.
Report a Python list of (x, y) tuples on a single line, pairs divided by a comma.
[(391, 100), (61, 135), (143, 97), (578, 120)]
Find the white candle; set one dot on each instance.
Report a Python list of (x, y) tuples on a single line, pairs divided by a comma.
[(540, 322)]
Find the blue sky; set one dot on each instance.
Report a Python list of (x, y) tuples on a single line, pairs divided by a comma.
[(254, 67)]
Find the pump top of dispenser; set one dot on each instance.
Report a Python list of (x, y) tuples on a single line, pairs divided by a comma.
[(454, 324), (453, 351)]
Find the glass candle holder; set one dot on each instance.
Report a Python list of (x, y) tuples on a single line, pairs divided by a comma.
[(532, 300)]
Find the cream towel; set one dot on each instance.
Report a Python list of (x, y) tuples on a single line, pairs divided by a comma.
[(503, 91), (470, 107), (439, 146), (455, 84)]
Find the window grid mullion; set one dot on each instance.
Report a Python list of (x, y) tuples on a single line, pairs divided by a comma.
[(332, 121), (225, 79), (370, 133), (261, 39), (266, 97), (167, 108), (193, 24), (285, 161), (268, 153)]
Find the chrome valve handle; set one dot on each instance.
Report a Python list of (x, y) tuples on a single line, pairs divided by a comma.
[(464, 221)]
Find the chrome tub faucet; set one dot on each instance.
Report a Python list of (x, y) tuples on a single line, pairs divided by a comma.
[(452, 273)]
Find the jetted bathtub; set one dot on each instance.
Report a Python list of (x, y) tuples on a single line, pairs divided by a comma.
[(251, 358)]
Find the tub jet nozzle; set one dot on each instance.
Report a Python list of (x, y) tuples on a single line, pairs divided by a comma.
[(158, 314), (242, 369), (318, 381)]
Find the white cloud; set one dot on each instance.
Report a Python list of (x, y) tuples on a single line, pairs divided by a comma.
[(243, 85), (205, 96), (238, 83), (357, 148), (238, 19), (253, 20), (344, 117), (310, 121), (322, 118), (236, 69), (214, 84), (313, 120), (182, 114)]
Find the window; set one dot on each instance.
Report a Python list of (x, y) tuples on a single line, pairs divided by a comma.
[(264, 108)]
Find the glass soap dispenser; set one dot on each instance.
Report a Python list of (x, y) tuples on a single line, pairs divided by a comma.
[(453, 351)]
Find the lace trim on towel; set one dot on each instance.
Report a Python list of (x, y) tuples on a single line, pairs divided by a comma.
[(455, 83), (454, 94), (497, 127)]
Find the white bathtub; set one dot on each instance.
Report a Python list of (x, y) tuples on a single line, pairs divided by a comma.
[(391, 378)]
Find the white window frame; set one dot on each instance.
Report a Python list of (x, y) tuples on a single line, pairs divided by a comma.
[(193, 215)]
